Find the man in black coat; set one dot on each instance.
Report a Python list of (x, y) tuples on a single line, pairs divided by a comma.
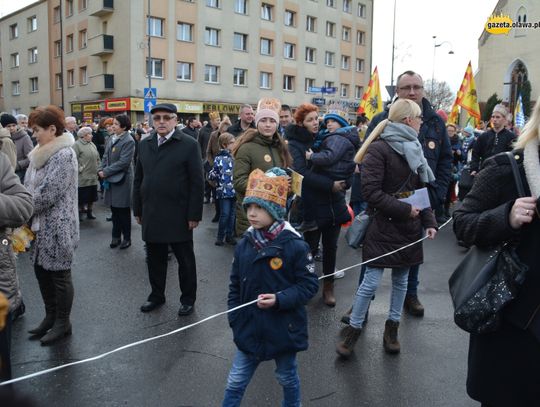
[(438, 153), (168, 202), (245, 121)]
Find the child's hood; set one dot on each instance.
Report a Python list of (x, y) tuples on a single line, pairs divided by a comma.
[(350, 133)]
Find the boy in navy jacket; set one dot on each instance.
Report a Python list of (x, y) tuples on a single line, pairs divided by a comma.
[(273, 265)]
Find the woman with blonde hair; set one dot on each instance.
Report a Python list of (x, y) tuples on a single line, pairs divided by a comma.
[(392, 163), (504, 366)]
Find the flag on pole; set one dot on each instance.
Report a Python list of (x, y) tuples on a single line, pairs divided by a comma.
[(469, 99), (454, 113), (371, 103), (519, 116)]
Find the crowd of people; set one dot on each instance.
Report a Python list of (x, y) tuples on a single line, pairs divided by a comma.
[(52, 173)]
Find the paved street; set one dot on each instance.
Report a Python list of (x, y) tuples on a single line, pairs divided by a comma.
[(190, 368)]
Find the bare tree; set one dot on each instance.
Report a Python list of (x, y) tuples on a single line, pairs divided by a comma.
[(440, 95)]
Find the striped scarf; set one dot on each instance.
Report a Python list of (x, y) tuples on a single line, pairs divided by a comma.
[(262, 238)]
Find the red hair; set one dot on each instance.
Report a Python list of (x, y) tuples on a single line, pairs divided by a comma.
[(302, 111)]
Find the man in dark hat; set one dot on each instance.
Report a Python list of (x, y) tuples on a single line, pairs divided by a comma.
[(168, 203)]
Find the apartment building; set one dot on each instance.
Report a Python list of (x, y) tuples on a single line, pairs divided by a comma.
[(94, 56)]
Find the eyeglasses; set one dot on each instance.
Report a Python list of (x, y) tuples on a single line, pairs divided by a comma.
[(414, 88), (164, 117)]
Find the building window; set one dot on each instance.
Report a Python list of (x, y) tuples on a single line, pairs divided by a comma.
[(311, 24), (309, 83), (184, 32), (240, 6), (155, 27), (83, 39), (266, 46), (71, 78), (184, 71), (0, 64), (347, 7), (83, 75), (13, 31), (361, 10), (240, 42), (331, 3), (57, 48), (310, 55), (328, 84), (360, 38), (288, 50), (288, 83), (346, 34), (358, 92), (330, 29), (32, 55), (211, 36), (83, 5), (359, 65), (267, 11), (344, 90), (155, 67), (15, 88), (69, 8), (15, 60), (345, 62), (56, 14), (212, 3), (58, 80), (290, 18), (69, 43), (34, 86), (329, 58), (240, 77), (211, 73), (32, 24), (265, 80)]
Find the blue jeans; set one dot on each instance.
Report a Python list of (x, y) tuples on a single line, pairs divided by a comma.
[(368, 287), (412, 285), (226, 217), (243, 368)]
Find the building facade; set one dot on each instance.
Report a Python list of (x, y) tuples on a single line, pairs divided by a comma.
[(202, 55)]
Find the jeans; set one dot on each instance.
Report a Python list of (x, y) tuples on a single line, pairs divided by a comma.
[(243, 368), (227, 217), (412, 284), (330, 235), (369, 286)]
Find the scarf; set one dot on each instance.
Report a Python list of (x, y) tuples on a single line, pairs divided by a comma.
[(262, 238), (404, 140)]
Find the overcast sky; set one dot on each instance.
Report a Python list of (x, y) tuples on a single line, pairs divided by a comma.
[(456, 23)]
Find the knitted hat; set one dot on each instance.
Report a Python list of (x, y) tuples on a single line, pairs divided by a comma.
[(469, 130), (268, 190), (337, 112), (268, 107), (500, 108), (6, 119)]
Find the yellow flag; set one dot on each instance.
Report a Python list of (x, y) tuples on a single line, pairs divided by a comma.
[(469, 99), (371, 103)]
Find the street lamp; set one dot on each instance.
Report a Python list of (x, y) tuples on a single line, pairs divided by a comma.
[(435, 46)]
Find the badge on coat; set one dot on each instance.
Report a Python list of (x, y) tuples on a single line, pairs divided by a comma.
[(113, 149), (431, 145), (267, 158), (276, 263)]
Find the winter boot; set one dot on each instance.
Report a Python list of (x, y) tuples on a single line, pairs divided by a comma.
[(413, 305), (328, 293), (46, 287), (350, 335), (89, 214), (64, 300), (390, 337)]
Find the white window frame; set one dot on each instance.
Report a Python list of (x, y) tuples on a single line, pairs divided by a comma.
[(311, 55), (309, 83), (155, 64), (83, 39), (184, 31), (32, 24), (360, 37), (83, 75), (289, 18), (69, 43), (57, 48), (358, 92), (331, 3), (240, 77), (330, 29), (57, 14), (15, 60), (360, 65), (288, 83), (361, 12), (211, 72), (13, 31), (32, 55), (265, 80), (185, 76), (344, 90), (212, 3), (84, 5), (267, 12), (243, 39), (330, 58), (311, 24), (211, 36), (270, 47), (345, 62), (241, 7), (346, 34), (58, 81), (289, 50), (156, 27), (328, 84), (15, 88), (70, 78), (347, 6), (69, 8)]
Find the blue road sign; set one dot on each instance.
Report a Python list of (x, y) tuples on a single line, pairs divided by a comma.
[(149, 104), (150, 93), (319, 101), (315, 89), (329, 89)]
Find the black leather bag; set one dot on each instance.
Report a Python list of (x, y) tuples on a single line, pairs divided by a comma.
[(466, 181), (486, 280)]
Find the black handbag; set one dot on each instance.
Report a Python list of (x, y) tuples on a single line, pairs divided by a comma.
[(357, 231), (486, 280), (466, 181)]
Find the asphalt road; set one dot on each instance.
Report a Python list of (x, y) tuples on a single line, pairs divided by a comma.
[(190, 368)]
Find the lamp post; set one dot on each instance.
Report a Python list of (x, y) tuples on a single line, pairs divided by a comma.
[(149, 62), (435, 46)]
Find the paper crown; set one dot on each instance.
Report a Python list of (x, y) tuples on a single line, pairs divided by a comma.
[(213, 115), (268, 190), (338, 112), (269, 103)]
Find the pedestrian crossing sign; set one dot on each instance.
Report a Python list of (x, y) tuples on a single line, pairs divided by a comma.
[(150, 93)]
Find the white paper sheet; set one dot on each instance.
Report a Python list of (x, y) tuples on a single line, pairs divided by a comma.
[(420, 199)]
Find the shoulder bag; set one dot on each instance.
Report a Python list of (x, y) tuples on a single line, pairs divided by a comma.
[(486, 280)]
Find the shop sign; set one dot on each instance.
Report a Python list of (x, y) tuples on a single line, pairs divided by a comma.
[(76, 108), (94, 107), (116, 105), (229, 108)]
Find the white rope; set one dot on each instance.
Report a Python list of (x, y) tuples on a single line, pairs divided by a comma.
[(153, 338)]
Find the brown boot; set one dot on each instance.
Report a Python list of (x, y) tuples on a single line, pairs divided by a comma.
[(328, 293), (350, 336), (413, 305), (390, 338)]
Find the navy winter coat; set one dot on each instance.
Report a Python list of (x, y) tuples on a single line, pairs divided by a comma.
[(285, 267)]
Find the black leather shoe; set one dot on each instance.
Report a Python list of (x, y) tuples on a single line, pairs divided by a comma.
[(108, 218), (150, 306), (185, 310), (114, 243), (125, 244)]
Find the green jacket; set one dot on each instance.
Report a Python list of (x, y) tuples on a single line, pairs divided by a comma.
[(261, 153), (88, 162)]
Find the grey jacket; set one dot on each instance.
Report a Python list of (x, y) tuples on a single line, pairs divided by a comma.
[(52, 180), (116, 161), (15, 209), (24, 145)]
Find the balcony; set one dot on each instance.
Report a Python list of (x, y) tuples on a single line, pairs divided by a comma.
[(102, 83), (101, 45), (100, 8)]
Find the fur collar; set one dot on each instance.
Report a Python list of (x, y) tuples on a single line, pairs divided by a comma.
[(41, 154), (531, 163)]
